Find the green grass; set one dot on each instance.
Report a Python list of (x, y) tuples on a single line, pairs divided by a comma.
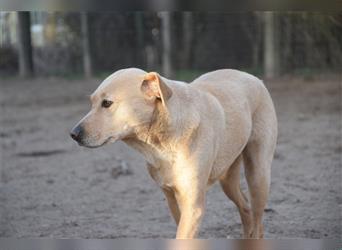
[(103, 74), (187, 75), (254, 71)]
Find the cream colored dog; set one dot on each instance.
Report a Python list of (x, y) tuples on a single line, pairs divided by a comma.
[(191, 136)]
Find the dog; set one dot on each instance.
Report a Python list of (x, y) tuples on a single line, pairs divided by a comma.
[(191, 136)]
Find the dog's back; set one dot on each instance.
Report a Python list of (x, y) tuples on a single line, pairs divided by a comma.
[(232, 87)]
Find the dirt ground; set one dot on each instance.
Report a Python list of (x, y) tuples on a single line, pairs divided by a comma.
[(50, 187)]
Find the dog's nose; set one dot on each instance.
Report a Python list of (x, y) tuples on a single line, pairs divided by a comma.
[(77, 133)]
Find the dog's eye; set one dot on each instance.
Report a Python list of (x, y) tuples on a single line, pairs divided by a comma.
[(106, 103)]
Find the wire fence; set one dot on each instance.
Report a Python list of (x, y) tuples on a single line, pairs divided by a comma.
[(304, 42)]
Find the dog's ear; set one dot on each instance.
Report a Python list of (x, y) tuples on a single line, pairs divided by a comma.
[(153, 87)]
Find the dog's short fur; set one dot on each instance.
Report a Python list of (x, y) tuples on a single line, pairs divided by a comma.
[(191, 136)]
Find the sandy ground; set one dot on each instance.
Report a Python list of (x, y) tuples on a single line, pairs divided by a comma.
[(50, 187)]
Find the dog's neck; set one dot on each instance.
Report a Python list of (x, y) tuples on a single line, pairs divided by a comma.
[(157, 130), (154, 135)]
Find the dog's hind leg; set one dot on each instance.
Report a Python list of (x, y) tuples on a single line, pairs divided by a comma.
[(257, 156), (230, 183)]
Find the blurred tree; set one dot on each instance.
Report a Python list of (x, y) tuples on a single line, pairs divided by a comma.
[(270, 50), (286, 41), (50, 28), (166, 40), (87, 59), (256, 45), (251, 26), (24, 44)]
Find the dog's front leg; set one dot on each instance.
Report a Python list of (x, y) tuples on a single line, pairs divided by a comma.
[(190, 178), (173, 205), (192, 206)]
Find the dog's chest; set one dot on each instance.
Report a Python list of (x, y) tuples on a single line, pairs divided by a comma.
[(158, 164), (161, 174), (159, 167)]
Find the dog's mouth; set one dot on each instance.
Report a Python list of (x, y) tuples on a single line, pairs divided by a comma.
[(109, 139)]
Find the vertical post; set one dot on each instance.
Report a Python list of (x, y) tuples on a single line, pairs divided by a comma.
[(24, 44), (270, 55), (87, 62), (166, 40)]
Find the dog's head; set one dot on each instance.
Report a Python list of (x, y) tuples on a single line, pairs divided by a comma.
[(123, 101)]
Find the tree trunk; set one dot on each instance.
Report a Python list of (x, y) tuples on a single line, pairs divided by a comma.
[(24, 44), (87, 59), (257, 43), (254, 37), (270, 53), (286, 56), (166, 40), (50, 28)]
